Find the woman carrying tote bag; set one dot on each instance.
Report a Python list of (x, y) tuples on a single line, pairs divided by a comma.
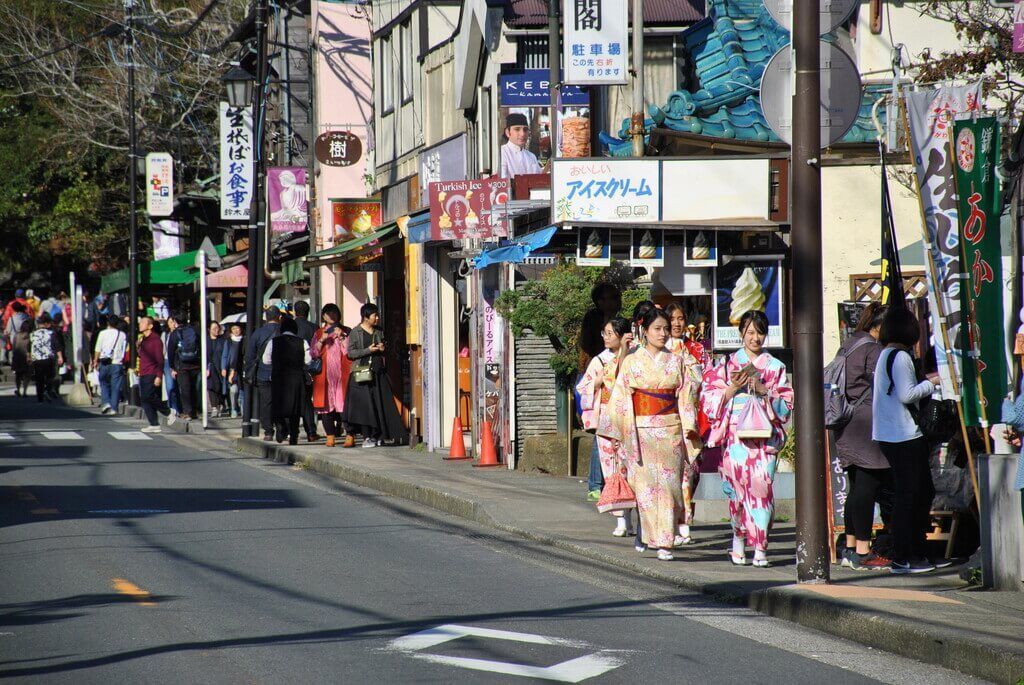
[(370, 402)]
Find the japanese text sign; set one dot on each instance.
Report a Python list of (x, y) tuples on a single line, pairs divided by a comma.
[(286, 199), (443, 162), (159, 184), (463, 209), (619, 190), (355, 218), (596, 42), (531, 88), (236, 162)]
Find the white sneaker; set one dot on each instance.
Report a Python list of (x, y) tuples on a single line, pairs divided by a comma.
[(172, 418), (107, 412), (104, 407), (621, 530), (665, 555), (368, 443), (640, 547), (679, 541), (151, 429)]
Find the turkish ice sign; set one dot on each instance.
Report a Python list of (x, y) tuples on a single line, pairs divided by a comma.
[(236, 162), (930, 115), (286, 199), (619, 190), (468, 209), (596, 42), (159, 184)]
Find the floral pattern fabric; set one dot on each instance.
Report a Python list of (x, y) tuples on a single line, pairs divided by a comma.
[(595, 389)]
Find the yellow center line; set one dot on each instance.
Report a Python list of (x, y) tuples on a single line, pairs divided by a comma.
[(45, 511), (126, 587)]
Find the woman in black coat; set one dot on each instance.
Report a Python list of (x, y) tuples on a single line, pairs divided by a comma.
[(216, 389), (370, 402), (288, 355)]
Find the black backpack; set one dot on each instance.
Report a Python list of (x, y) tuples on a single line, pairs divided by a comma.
[(938, 420), (188, 346)]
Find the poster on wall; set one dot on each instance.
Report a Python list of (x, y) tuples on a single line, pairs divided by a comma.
[(594, 247), (525, 138), (849, 315), (355, 218), (286, 199), (743, 285), (596, 42), (647, 247), (236, 162), (468, 209), (701, 249)]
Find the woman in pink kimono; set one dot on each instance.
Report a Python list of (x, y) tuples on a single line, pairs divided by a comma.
[(748, 465), (595, 390), (653, 418), (330, 344)]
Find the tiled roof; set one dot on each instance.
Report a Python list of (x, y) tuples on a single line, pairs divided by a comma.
[(729, 50), (534, 13)]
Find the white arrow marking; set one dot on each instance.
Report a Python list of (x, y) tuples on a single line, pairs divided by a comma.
[(62, 435)]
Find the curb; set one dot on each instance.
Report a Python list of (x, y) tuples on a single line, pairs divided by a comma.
[(828, 615)]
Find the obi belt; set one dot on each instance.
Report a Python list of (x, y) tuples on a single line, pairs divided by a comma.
[(657, 402)]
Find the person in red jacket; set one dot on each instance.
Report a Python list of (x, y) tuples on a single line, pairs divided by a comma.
[(151, 372)]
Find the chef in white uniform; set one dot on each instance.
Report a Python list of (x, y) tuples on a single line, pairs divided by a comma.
[(515, 158)]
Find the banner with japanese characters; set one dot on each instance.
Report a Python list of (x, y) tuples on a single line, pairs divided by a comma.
[(159, 184), (236, 162), (976, 149), (618, 190), (930, 115), (596, 46), (286, 199)]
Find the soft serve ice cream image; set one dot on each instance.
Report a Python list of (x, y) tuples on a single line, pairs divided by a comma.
[(701, 249), (648, 247), (747, 294), (595, 247)]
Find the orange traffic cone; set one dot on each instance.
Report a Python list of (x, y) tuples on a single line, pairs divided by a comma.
[(488, 457), (458, 448)]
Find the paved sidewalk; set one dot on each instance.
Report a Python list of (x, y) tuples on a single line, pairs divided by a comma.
[(934, 618)]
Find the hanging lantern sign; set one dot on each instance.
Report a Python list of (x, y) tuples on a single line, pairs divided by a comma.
[(338, 148)]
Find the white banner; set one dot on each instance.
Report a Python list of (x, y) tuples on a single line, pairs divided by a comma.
[(159, 184), (930, 115), (596, 42), (166, 239), (620, 190), (236, 161)]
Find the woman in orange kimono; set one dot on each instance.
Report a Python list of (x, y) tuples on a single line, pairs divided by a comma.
[(653, 419), (595, 390)]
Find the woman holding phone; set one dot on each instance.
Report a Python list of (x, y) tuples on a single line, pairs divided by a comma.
[(330, 345), (748, 464), (370, 402)]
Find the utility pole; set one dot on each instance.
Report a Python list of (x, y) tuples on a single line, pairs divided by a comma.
[(133, 228), (257, 220), (554, 71), (812, 561), (636, 126)]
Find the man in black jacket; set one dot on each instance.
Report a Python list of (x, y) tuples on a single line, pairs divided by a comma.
[(183, 354), (258, 373), (306, 331)]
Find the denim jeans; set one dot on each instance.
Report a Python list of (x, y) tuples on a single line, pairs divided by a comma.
[(111, 381), (595, 480), (172, 389)]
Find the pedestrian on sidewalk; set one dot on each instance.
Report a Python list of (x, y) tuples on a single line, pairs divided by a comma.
[(258, 374), (170, 382), (867, 469), (14, 323), (306, 331), (653, 420), (45, 357), (21, 358), (231, 366), (330, 346), (287, 355), (595, 390), (748, 466), (370, 402), (108, 361), (896, 395), (151, 371), (214, 380), (183, 348)]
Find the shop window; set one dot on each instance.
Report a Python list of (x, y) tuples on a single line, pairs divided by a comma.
[(387, 76), (407, 70)]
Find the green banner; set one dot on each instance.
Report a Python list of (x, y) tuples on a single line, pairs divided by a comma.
[(975, 145)]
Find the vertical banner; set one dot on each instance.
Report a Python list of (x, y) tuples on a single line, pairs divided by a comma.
[(976, 146), (1018, 26), (166, 239), (159, 184), (236, 162), (930, 116), (596, 42), (286, 199)]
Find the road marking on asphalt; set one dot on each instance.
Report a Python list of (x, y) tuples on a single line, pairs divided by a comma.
[(6, 436), (129, 511), (256, 501), (572, 671), (62, 435), (126, 587), (129, 435)]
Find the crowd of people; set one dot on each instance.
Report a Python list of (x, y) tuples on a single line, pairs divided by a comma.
[(656, 403)]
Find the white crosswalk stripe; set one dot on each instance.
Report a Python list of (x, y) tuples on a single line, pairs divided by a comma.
[(129, 435), (62, 435), (6, 436)]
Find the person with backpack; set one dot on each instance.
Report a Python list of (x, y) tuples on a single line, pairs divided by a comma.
[(183, 349), (257, 374), (894, 427), (848, 414), (108, 362)]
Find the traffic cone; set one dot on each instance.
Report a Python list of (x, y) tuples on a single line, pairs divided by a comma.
[(458, 448), (488, 457)]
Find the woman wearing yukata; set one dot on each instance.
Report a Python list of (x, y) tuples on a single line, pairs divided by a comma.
[(748, 464), (679, 342), (653, 420), (595, 390)]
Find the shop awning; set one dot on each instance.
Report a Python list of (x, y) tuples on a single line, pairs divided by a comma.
[(235, 278), (293, 271), (351, 248), (418, 228), (518, 249), (180, 270)]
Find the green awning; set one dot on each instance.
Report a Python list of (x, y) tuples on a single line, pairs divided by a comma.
[(334, 254), (180, 270), (293, 271)]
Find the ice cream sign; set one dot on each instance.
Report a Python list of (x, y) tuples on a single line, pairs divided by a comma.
[(648, 248), (468, 209), (606, 190)]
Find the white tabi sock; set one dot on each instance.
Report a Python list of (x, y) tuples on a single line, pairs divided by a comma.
[(738, 547)]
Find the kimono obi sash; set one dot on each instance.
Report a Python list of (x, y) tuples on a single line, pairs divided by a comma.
[(655, 402), (606, 394)]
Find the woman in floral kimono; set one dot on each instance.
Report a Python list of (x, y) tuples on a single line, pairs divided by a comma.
[(595, 390), (653, 419), (679, 343), (748, 465)]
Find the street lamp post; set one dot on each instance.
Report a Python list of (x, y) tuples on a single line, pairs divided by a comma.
[(133, 228)]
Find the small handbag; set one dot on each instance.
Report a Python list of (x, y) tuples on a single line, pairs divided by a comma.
[(754, 423), (314, 367), (617, 494), (363, 375)]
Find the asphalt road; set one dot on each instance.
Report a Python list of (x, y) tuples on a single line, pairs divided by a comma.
[(173, 560)]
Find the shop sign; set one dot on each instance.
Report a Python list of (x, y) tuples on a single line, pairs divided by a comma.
[(159, 184), (606, 190), (594, 246), (716, 190), (647, 247), (338, 148), (236, 162), (743, 285), (286, 199), (596, 42), (463, 209), (166, 239), (531, 88), (701, 249), (355, 218), (444, 162)]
